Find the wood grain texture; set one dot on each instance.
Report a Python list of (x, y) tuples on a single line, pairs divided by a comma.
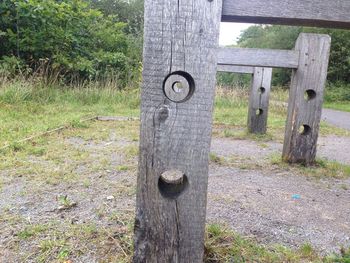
[(179, 36), (270, 58), (306, 98), (236, 69), (316, 13), (259, 100)]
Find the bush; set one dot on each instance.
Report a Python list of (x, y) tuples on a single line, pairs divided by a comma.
[(337, 92), (65, 38)]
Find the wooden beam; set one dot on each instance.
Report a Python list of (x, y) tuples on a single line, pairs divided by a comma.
[(179, 68), (268, 58), (306, 98), (235, 69), (314, 13)]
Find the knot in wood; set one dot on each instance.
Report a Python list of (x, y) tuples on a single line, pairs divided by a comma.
[(163, 113), (178, 86)]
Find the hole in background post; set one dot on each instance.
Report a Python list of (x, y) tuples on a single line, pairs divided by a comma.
[(259, 112), (178, 87), (172, 183), (261, 90), (309, 94), (305, 129)]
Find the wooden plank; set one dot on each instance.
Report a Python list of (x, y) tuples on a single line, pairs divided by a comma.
[(306, 98), (259, 100), (315, 13), (269, 58), (180, 64), (235, 69)]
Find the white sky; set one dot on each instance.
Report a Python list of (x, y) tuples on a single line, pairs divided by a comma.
[(229, 32)]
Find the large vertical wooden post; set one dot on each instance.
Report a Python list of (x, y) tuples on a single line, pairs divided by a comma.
[(306, 98), (180, 61), (259, 100)]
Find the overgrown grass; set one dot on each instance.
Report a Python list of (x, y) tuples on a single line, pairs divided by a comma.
[(29, 107)]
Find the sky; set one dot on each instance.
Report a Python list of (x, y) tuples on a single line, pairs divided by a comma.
[(229, 32)]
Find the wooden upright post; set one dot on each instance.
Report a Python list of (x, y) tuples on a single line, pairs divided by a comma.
[(306, 98), (259, 100), (180, 62)]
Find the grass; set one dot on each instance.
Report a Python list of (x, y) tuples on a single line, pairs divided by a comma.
[(223, 245), (342, 105), (321, 168), (28, 108)]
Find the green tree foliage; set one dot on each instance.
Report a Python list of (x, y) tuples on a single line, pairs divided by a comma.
[(284, 37), (128, 11), (68, 38)]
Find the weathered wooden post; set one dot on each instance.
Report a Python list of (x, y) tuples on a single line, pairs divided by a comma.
[(259, 100), (259, 94), (180, 60), (306, 98)]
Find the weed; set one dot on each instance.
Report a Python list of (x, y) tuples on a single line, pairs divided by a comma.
[(216, 159)]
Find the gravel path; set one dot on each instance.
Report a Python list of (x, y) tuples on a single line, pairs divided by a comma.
[(340, 119), (260, 203)]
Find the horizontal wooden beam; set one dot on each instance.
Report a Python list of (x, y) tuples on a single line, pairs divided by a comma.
[(269, 58), (314, 13), (235, 69)]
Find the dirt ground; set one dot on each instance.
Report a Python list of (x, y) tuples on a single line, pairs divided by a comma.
[(85, 179)]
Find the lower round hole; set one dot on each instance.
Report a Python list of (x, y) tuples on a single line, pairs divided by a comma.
[(309, 94), (259, 112), (172, 184), (305, 129), (262, 90)]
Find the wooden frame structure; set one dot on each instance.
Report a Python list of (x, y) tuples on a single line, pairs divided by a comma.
[(180, 63), (259, 95)]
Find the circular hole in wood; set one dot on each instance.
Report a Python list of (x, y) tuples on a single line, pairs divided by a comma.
[(179, 86), (305, 129), (172, 184), (262, 90), (259, 112), (309, 94)]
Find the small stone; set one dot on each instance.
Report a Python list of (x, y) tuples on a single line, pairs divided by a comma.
[(110, 198)]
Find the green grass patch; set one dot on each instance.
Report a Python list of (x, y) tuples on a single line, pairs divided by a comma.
[(321, 168), (29, 108), (223, 245), (341, 106)]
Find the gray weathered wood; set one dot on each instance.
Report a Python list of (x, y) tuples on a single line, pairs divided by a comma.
[(236, 69), (259, 100), (181, 37), (316, 13), (306, 98), (270, 58)]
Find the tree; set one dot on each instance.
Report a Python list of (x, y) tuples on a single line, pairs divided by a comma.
[(70, 37), (284, 37)]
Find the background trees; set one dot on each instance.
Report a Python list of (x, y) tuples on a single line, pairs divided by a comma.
[(284, 37), (70, 40)]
